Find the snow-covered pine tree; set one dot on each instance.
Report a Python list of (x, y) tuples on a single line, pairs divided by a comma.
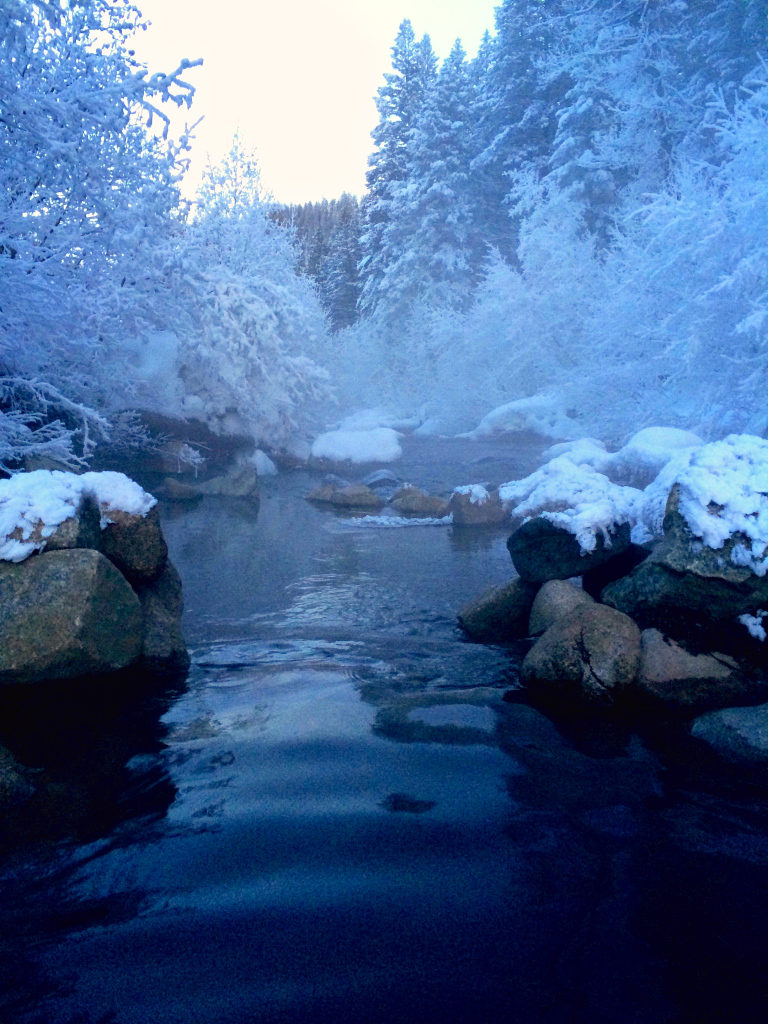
[(399, 100), (437, 248)]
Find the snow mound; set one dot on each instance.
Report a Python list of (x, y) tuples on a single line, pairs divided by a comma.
[(647, 452), (379, 444), (370, 419), (575, 497), (264, 465), (541, 414), (33, 505)]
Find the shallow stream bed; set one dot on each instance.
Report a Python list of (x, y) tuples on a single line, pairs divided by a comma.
[(339, 818)]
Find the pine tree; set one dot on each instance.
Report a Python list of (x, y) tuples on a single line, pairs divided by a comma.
[(432, 227), (399, 100)]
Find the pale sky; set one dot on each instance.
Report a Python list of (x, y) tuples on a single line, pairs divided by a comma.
[(297, 78)]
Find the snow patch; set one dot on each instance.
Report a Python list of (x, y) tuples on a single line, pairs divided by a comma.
[(541, 414), (392, 522), (379, 444), (33, 505), (264, 465), (478, 493)]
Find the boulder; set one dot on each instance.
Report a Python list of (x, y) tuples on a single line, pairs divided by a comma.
[(682, 681), (737, 735), (241, 482), (541, 550), (591, 654), (135, 544), (692, 591), (475, 506), (356, 496), (554, 599), (163, 646), (414, 501), (500, 615), (65, 614)]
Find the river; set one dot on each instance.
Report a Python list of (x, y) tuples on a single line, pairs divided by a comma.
[(340, 818)]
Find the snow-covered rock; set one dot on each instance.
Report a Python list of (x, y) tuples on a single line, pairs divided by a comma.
[(33, 505), (540, 414), (378, 444)]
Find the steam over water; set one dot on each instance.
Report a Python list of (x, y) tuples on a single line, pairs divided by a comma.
[(339, 819)]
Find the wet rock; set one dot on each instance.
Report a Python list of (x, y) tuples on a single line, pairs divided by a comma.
[(737, 735), (500, 615), (355, 496), (414, 501), (541, 550), (65, 614), (163, 647), (477, 507), (591, 654), (135, 544), (688, 590), (554, 599), (671, 676), (241, 482)]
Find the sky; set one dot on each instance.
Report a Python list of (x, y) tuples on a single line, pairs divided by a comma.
[(295, 78)]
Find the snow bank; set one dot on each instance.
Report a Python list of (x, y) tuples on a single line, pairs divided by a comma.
[(370, 419), (33, 504), (541, 414), (575, 497), (379, 444)]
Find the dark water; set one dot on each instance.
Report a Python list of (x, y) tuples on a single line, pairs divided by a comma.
[(339, 819)]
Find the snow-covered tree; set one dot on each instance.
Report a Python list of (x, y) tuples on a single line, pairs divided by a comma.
[(432, 235), (243, 356), (399, 100), (88, 190)]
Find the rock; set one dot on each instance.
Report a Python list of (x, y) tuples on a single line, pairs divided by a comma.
[(591, 654), (477, 507), (177, 490), (681, 681), (541, 550), (596, 580), (241, 482), (691, 591), (135, 544), (14, 787), (354, 496), (66, 614), (414, 501), (554, 599), (738, 735), (82, 530), (500, 615), (163, 646)]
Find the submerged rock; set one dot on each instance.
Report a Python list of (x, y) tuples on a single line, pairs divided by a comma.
[(738, 735)]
